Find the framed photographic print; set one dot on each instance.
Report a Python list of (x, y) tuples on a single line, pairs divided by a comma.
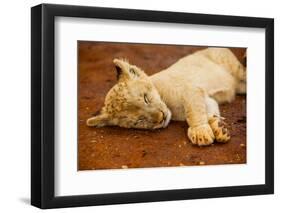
[(139, 106)]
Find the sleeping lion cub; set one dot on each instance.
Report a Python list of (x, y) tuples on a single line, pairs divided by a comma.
[(188, 90)]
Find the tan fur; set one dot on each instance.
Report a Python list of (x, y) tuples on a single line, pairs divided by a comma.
[(188, 90), (133, 102)]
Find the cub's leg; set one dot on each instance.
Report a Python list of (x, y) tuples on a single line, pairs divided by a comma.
[(241, 87), (199, 131), (226, 58), (215, 121), (223, 95)]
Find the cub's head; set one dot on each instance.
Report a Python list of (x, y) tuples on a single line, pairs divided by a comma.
[(133, 102)]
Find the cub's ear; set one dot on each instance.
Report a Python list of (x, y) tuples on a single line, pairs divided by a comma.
[(126, 71), (98, 121)]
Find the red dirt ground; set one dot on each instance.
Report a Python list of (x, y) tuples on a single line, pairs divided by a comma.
[(115, 147)]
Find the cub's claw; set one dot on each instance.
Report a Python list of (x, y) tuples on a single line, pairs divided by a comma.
[(220, 131), (201, 135)]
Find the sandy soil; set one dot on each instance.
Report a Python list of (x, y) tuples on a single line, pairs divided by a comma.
[(114, 147)]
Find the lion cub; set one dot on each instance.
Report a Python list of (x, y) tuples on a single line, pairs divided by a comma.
[(188, 90)]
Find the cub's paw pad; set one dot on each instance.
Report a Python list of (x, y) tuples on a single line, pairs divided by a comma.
[(219, 129), (201, 135)]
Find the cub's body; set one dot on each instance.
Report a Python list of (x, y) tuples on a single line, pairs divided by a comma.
[(214, 70), (188, 90)]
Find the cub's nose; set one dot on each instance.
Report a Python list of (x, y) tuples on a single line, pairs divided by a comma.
[(162, 116)]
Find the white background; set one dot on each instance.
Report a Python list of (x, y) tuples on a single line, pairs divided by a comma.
[(15, 106), (70, 182)]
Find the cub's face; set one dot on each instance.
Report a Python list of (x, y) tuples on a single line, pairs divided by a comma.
[(133, 102)]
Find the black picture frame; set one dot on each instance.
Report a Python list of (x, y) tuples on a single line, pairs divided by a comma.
[(43, 105)]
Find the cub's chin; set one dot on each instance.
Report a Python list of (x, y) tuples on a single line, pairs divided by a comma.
[(142, 124)]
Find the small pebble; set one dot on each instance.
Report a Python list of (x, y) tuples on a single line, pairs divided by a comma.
[(181, 164), (101, 136), (238, 157), (201, 163), (179, 146), (94, 141), (242, 145), (124, 167)]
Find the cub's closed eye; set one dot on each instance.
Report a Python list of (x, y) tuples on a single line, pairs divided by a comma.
[(145, 99)]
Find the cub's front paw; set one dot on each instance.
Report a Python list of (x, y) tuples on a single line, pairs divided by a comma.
[(219, 129), (201, 135)]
